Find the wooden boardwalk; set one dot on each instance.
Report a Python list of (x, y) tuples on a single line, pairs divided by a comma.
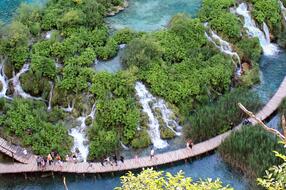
[(143, 162)]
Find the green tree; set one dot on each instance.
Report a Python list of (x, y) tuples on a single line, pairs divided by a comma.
[(275, 178), (150, 179)]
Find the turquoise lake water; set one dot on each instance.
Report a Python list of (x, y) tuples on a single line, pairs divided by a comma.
[(150, 15), (8, 7)]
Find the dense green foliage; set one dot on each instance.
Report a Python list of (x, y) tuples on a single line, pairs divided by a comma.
[(151, 179), (275, 175), (117, 114), (267, 11), (217, 15), (29, 121), (251, 150), (219, 117), (179, 64)]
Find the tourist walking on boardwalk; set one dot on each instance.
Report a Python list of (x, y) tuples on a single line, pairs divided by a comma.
[(115, 160), (38, 160), (108, 161), (122, 159), (190, 144), (50, 159), (152, 153), (43, 163), (102, 162)]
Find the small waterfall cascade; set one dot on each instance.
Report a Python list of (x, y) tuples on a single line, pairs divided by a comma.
[(17, 84), (222, 45), (3, 81), (167, 116), (70, 107), (254, 31), (283, 10), (149, 103), (80, 146), (51, 96), (124, 146)]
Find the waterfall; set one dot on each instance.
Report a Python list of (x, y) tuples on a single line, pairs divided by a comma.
[(51, 96), (17, 84), (222, 45), (70, 107), (167, 116), (283, 10), (80, 137), (146, 100), (124, 146), (154, 128), (254, 31), (3, 81)]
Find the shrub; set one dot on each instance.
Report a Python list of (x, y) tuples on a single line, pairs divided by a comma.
[(28, 121), (217, 118), (251, 150), (141, 140)]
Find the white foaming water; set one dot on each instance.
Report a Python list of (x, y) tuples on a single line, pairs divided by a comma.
[(80, 137), (51, 96), (222, 45), (154, 127), (124, 146), (167, 116), (254, 31), (3, 80), (70, 107), (48, 35), (146, 98), (17, 84), (283, 10)]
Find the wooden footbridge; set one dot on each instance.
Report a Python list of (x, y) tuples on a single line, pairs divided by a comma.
[(28, 161)]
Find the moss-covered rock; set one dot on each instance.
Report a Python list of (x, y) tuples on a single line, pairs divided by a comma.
[(35, 86), (8, 70), (56, 114), (250, 77), (144, 120), (166, 133), (88, 121), (142, 140)]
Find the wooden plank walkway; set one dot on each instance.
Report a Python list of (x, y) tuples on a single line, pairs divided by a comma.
[(143, 162), (15, 152)]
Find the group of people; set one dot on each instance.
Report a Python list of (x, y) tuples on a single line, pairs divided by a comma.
[(55, 158), (52, 157), (112, 160)]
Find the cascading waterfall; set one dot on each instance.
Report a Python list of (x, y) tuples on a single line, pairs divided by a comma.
[(70, 107), (167, 116), (3, 81), (17, 84), (254, 31), (80, 137), (51, 96), (146, 99), (283, 10), (222, 45)]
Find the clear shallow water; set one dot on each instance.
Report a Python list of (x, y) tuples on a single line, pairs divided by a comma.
[(272, 71), (149, 15), (8, 7), (113, 65)]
